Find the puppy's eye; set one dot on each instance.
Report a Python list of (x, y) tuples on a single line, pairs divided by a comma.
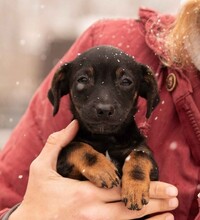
[(126, 82), (83, 79)]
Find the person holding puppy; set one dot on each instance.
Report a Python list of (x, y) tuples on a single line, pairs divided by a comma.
[(169, 46)]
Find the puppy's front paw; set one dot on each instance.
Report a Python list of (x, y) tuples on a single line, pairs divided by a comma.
[(80, 159), (136, 180), (99, 170), (135, 193)]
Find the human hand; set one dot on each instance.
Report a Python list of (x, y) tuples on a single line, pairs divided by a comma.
[(50, 196)]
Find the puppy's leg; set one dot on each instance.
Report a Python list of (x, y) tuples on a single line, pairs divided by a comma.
[(139, 168), (80, 159)]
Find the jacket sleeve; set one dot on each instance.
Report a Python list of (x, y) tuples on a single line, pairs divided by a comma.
[(3, 212), (29, 136), (198, 216)]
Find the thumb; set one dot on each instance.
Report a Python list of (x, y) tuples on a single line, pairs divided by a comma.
[(55, 143)]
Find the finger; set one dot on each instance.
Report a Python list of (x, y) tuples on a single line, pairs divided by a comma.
[(154, 206), (165, 216), (56, 142), (162, 190), (103, 194), (158, 190)]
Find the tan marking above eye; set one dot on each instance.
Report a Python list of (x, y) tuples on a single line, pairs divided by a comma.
[(89, 71), (120, 72)]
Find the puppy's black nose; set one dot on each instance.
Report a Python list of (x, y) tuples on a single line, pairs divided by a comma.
[(104, 110)]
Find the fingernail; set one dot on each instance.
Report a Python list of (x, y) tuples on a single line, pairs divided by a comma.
[(74, 121), (169, 217), (173, 203), (171, 191), (72, 124)]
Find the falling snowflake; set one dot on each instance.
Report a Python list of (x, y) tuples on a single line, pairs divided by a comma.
[(83, 171), (128, 158), (119, 44), (10, 120), (173, 146), (20, 176)]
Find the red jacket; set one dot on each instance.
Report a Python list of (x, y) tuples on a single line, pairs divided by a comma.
[(173, 130)]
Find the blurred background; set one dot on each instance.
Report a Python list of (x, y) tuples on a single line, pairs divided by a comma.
[(35, 34)]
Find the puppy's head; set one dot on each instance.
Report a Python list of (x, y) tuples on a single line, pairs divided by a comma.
[(104, 84)]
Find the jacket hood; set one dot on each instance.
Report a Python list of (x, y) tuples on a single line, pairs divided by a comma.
[(156, 26)]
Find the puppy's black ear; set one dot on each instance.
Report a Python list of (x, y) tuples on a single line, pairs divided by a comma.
[(59, 86), (149, 90)]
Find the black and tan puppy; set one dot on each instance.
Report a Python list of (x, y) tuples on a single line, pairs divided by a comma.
[(104, 84)]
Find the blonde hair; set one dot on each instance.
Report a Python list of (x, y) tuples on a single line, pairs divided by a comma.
[(187, 20)]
